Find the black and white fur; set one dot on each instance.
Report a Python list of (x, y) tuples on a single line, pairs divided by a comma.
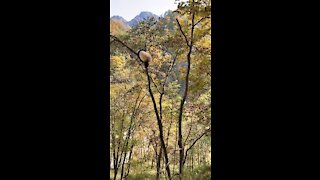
[(145, 57)]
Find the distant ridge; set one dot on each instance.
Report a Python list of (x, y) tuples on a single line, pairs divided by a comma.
[(118, 25), (141, 17), (119, 18)]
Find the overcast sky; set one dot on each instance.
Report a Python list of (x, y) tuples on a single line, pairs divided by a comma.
[(128, 9)]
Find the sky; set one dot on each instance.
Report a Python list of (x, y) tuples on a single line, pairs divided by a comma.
[(128, 9)]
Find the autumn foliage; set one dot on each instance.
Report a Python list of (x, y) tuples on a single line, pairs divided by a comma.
[(160, 115)]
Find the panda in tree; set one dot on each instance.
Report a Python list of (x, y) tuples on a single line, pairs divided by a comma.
[(145, 57)]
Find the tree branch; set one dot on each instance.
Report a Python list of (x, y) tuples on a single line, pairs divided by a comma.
[(180, 140), (194, 142), (189, 132), (201, 20), (155, 85), (185, 37), (130, 49), (168, 72), (122, 43), (163, 147)]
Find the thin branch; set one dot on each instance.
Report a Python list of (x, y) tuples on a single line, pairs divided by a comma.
[(201, 20), (155, 85), (169, 70), (185, 37), (160, 104), (154, 148), (129, 131), (118, 40), (162, 93), (192, 29), (168, 134), (189, 132), (130, 49), (194, 142)]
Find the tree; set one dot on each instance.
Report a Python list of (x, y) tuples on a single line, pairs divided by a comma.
[(178, 76), (193, 10)]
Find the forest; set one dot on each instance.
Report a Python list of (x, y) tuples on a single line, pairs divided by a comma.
[(160, 110)]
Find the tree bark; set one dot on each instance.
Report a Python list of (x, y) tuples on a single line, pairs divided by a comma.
[(162, 143), (192, 161), (129, 163), (159, 163), (180, 138)]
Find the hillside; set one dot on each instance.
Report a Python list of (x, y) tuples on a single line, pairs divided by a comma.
[(119, 18), (118, 27)]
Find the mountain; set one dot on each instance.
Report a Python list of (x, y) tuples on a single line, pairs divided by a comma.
[(142, 16), (119, 18), (117, 26)]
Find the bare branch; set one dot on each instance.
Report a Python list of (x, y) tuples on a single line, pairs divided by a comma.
[(194, 142), (155, 84), (122, 43), (171, 67), (189, 132), (185, 37), (201, 20), (130, 49), (162, 91)]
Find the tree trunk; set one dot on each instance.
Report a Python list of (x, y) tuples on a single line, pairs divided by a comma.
[(199, 156), (123, 165), (175, 149), (115, 173), (152, 160), (129, 162), (162, 143), (159, 163), (180, 143), (192, 161)]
